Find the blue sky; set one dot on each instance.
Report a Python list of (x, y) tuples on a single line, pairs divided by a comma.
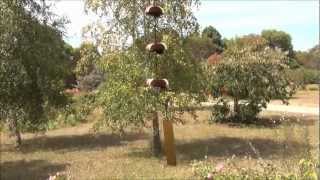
[(231, 18)]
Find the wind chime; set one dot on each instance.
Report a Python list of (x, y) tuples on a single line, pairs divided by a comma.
[(161, 85)]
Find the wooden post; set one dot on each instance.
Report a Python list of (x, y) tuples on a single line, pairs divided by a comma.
[(169, 145)]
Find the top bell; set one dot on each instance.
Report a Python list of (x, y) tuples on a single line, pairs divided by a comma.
[(155, 11)]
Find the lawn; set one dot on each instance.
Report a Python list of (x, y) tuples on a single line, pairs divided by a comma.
[(87, 155)]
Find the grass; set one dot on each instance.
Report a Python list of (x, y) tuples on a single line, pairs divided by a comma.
[(85, 155)]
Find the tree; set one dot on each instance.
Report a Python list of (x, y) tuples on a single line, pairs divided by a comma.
[(213, 34), (279, 39), (87, 74), (251, 75), (71, 81), (200, 48), (32, 64), (123, 96), (309, 59)]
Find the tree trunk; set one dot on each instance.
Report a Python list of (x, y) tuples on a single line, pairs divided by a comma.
[(236, 107), (156, 135), (15, 129)]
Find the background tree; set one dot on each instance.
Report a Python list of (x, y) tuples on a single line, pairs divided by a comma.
[(282, 40), (87, 74), (251, 74), (200, 48), (309, 59), (213, 34), (73, 54), (278, 39), (32, 64)]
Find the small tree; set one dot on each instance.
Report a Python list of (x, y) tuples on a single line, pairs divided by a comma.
[(251, 74)]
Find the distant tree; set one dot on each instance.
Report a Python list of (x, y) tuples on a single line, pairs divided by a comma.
[(252, 75), (200, 48), (279, 39), (71, 53), (282, 40), (309, 59), (213, 34), (33, 64), (88, 56), (86, 70)]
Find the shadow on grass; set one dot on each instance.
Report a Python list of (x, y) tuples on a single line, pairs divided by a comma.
[(273, 121), (225, 147), (76, 142), (35, 169), (305, 120)]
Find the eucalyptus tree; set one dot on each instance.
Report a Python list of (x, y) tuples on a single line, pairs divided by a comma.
[(32, 64), (124, 97)]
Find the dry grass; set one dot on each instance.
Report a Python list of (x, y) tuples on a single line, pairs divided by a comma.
[(99, 156), (308, 98)]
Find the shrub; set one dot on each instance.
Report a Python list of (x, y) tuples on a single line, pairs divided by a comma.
[(220, 111)]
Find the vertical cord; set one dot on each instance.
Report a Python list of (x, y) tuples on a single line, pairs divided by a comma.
[(155, 41)]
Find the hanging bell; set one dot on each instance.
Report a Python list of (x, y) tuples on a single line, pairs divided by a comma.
[(155, 11), (157, 47), (158, 84)]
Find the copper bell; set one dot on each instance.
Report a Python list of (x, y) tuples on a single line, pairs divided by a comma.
[(155, 11), (159, 48), (161, 84)]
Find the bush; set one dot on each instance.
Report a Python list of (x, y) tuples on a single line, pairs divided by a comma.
[(220, 111)]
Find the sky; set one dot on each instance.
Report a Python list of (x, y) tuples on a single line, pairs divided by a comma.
[(231, 18)]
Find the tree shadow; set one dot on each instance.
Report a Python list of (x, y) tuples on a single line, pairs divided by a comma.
[(225, 147), (274, 121), (76, 142), (34, 169), (305, 120)]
